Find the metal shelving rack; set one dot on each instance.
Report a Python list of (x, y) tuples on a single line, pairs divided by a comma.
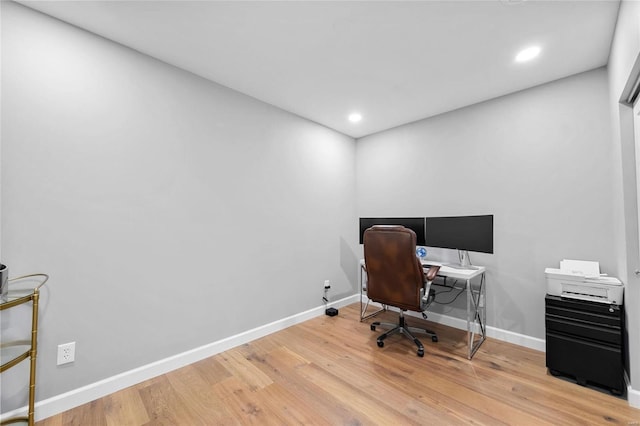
[(14, 352)]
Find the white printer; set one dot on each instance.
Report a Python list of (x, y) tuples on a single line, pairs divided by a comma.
[(579, 279)]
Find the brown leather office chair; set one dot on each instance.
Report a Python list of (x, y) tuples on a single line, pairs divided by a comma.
[(395, 277)]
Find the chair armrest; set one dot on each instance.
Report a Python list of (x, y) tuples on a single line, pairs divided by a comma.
[(431, 273), (426, 297)]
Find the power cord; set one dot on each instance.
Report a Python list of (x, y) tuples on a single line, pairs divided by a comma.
[(450, 289), (332, 312)]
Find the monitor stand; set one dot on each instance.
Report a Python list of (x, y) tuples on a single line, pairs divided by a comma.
[(465, 262)]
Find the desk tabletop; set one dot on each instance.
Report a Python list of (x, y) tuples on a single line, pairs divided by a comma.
[(451, 272), (455, 272)]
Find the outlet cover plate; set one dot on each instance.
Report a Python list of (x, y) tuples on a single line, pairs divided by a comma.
[(66, 353)]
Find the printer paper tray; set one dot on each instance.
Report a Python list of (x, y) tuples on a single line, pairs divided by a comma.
[(586, 297)]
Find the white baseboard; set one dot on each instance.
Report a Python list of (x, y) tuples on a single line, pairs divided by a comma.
[(68, 400), (493, 332), (517, 338), (633, 397)]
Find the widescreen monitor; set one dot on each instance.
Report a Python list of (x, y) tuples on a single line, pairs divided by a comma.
[(414, 223), (464, 233)]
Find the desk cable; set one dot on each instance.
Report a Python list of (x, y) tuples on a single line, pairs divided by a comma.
[(449, 290)]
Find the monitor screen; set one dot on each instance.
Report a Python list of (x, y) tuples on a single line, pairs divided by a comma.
[(471, 233), (414, 223)]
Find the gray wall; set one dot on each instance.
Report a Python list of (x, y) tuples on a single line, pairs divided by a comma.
[(624, 51), (169, 211), (172, 212), (539, 160)]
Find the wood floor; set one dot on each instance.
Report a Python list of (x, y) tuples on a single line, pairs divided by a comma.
[(329, 371)]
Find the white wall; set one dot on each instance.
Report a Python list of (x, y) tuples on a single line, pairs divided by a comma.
[(539, 160), (169, 211), (624, 51)]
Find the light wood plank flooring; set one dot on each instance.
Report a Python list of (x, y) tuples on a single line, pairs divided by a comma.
[(329, 371)]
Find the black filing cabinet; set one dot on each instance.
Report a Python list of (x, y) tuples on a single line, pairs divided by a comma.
[(585, 340)]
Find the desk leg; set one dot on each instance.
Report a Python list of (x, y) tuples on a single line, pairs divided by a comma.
[(364, 306), (476, 316)]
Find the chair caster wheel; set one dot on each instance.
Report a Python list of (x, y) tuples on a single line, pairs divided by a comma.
[(373, 328), (380, 343), (434, 339), (421, 353)]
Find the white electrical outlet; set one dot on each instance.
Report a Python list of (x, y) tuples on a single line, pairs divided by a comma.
[(327, 284), (66, 353)]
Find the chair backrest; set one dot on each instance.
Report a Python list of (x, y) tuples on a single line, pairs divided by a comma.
[(394, 273)]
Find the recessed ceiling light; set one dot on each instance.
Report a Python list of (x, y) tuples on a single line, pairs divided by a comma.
[(528, 54), (354, 117)]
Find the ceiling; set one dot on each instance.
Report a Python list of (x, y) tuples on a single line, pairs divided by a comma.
[(393, 61)]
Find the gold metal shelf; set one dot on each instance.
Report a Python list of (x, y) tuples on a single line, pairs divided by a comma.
[(12, 353)]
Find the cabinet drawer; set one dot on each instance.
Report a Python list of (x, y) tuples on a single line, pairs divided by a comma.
[(571, 307), (604, 317), (586, 361), (583, 329)]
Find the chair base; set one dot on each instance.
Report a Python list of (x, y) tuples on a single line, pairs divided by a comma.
[(403, 328)]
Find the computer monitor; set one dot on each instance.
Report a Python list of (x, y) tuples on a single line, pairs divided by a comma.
[(414, 223), (463, 233)]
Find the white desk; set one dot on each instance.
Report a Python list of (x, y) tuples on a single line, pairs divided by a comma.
[(476, 310)]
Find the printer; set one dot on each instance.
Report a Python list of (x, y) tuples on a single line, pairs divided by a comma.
[(579, 279)]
